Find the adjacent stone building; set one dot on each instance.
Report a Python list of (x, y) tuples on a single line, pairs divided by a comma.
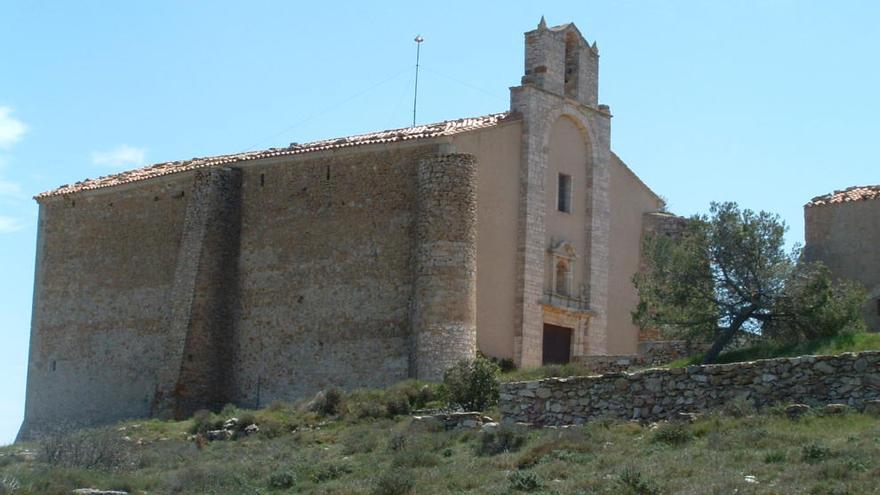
[(842, 230), (357, 261)]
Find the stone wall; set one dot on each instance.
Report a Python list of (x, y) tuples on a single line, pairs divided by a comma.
[(844, 236), (445, 262), (650, 353), (104, 278), (200, 330), (327, 279), (663, 393), (655, 352), (269, 281)]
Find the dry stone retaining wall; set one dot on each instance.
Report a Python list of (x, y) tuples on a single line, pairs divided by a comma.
[(663, 393), (650, 353)]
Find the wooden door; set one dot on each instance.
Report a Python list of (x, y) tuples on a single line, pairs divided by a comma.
[(557, 344)]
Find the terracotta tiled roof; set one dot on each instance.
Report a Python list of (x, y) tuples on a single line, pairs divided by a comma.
[(855, 193), (445, 128)]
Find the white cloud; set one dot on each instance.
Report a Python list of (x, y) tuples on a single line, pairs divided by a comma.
[(11, 129), (9, 225), (123, 155)]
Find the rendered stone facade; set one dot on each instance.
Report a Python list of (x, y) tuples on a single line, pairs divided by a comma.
[(842, 230), (349, 262)]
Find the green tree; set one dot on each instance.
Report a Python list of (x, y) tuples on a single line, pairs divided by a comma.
[(472, 384), (728, 273)]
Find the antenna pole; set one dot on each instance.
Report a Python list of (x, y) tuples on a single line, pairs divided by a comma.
[(418, 41)]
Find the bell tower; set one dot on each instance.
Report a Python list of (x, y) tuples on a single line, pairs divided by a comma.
[(560, 61), (560, 81)]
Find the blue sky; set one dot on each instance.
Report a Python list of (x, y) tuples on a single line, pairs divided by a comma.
[(767, 103)]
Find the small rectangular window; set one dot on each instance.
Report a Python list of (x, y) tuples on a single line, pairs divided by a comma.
[(563, 194)]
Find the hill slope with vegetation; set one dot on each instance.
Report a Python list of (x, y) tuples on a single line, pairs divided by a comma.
[(368, 442)]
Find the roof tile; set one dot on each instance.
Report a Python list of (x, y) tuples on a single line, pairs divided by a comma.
[(850, 194), (445, 128)]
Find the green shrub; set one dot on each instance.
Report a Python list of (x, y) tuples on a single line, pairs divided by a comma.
[(284, 480), (246, 419), (415, 458), (503, 439), (360, 441), (277, 406), (204, 477), (417, 393), (393, 482), (506, 365), (271, 428), (229, 411), (739, 407), (672, 433), (327, 402), (327, 471), (472, 385), (397, 403), (397, 442), (204, 421), (814, 452), (85, 449), (564, 444), (524, 481), (775, 457), (632, 482), (366, 409), (9, 485), (425, 395)]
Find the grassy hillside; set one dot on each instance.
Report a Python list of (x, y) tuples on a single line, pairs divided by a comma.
[(364, 446), (845, 342)]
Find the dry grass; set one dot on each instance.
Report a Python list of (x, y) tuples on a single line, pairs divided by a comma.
[(310, 453)]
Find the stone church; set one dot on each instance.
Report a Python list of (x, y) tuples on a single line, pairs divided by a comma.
[(842, 230), (352, 262)]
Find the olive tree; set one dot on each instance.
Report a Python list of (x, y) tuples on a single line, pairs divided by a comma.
[(729, 274)]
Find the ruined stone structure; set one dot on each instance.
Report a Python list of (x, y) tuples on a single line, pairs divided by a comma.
[(349, 262), (656, 394), (842, 230)]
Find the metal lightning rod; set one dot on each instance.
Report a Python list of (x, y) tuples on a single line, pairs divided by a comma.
[(418, 41)]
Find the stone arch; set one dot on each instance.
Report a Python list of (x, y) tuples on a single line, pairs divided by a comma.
[(581, 121), (584, 204)]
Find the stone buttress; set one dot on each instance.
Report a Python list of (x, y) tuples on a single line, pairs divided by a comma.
[(444, 292), (200, 329)]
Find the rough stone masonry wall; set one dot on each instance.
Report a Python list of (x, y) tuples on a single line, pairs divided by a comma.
[(650, 353), (845, 236), (662, 393), (444, 295), (105, 272), (200, 327), (326, 276), (250, 285)]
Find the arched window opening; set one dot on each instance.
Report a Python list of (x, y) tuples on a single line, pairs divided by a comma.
[(563, 278), (571, 63)]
